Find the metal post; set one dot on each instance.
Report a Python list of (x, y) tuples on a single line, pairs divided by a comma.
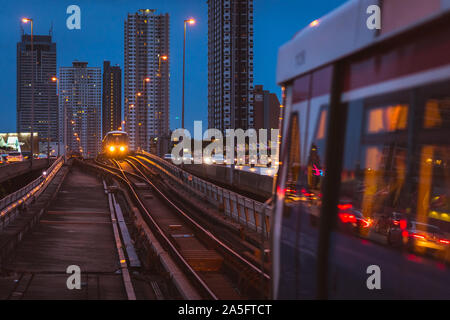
[(65, 131), (184, 65), (33, 62), (48, 122)]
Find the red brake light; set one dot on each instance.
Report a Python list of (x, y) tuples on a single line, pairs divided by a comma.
[(347, 218), (444, 241), (403, 224), (418, 236), (344, 206)]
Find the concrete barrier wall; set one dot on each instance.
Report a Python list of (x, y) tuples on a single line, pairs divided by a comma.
[(12, 170), (246, 181)]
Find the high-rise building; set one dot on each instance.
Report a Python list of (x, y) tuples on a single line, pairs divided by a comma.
[(230, 64), (45, 98), (80, 100), (112, 98), (146, 80), (266, 109)]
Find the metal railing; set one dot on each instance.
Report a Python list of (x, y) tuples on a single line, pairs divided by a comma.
[(246, 211), (14, 202)]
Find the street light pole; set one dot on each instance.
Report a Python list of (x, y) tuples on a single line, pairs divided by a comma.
[(190, 21), (57, 107), (33, 62), (48, 122)]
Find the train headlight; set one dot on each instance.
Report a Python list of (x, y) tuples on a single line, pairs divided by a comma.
[(122, 148), (112, 148)]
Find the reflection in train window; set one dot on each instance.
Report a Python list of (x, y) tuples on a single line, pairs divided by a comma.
[(437, 113), (387, 119), (394, 203), (293, 161)]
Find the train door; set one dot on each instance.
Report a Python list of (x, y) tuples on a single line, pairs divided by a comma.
[(299, 196)]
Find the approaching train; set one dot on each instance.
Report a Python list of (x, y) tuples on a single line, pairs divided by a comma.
[(115, 145), (362, 200)]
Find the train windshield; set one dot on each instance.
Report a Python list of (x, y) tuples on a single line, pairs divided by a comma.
[(117, 138)]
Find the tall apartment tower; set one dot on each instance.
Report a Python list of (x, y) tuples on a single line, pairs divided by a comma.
[(80, 103), (146, 77), (266, 109), (45, 98), (230, 64), (112, 98)]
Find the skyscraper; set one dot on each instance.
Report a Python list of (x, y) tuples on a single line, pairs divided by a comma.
[(146, 75), (266, 109), (230, 64), (45, 99), (80, 99), (112, 98)]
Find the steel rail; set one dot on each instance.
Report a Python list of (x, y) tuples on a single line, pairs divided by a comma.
[(121, 174), (220, 243)]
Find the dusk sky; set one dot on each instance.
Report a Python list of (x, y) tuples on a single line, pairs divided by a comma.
[(102, 36)]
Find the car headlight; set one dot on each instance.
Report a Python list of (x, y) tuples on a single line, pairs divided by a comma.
[(112, 148), (122, 148)]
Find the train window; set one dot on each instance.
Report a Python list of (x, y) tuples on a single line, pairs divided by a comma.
[(387, 119), (394, 206), (437, 113)]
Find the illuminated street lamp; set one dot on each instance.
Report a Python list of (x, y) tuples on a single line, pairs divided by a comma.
[(164, 58), (190, 21), (26, 20)]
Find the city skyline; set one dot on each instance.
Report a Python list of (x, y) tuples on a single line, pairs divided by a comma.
[(72, 44)]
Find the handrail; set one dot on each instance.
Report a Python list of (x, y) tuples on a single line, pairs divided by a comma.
[(246, 211), (17, 198)]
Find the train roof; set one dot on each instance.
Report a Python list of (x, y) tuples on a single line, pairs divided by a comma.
[(344, 31), (117, 131)]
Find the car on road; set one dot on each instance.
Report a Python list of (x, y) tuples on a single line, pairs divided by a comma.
[(423, 238), (353, 221), (14, 157)]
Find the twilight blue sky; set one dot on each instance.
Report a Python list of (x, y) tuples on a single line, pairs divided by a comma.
[(101, 38)]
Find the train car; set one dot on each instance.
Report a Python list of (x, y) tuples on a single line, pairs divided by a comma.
[(115, 145), (365, 136)]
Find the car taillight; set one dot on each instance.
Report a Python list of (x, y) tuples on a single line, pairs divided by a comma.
[(402, 224), (444, 241), (344, 206), (417, 236), (347, 218)]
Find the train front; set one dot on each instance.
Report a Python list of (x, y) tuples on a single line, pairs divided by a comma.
[(115, 145)]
